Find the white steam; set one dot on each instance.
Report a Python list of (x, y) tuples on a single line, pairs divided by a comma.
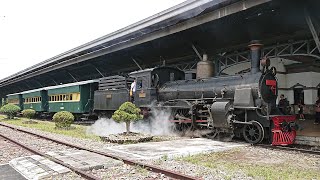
[(157, 124)]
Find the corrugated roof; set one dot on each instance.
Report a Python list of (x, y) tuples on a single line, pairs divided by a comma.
[(169, 17)]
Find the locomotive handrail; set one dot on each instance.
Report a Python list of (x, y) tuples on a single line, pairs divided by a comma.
[(246, 107)]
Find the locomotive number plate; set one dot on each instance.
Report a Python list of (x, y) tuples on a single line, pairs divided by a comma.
[(142, 95), (109, 96)]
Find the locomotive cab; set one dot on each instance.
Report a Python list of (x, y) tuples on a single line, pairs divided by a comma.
[(149, 80)]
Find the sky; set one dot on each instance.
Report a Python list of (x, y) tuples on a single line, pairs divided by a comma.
[(35, 30)]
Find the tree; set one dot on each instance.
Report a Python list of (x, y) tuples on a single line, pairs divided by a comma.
[(10, 110), (127, 112)]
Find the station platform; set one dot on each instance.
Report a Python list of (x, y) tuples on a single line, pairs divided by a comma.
[(170, 149), (309, 134)]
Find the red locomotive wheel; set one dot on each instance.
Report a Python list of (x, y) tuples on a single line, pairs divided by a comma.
[(253, 133)]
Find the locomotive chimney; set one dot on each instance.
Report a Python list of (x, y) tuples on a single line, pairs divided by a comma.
[(255, 54), (204, 68)]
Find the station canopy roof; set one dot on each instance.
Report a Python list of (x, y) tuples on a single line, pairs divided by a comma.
[(210, 26)]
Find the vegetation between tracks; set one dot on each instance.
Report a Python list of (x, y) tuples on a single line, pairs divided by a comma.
[(238, 161), (77, 132)]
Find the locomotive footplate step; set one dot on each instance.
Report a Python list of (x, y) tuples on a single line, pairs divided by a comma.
[(84, 160), (8, 173), (37, 167), (182, 147)]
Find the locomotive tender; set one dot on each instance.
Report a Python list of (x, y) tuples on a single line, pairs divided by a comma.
[(240, 105)]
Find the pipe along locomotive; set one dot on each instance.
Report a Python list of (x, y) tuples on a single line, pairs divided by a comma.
[(240, 105)]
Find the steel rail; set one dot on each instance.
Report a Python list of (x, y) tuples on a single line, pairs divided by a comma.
[(149, 167), (288, 148), (76, 170)]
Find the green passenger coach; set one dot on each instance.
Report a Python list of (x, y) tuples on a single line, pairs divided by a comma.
[(36, 100), (74, 97), (15, 99)]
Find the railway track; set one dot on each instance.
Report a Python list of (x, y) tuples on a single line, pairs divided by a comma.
[(297, 148), (169, 173)]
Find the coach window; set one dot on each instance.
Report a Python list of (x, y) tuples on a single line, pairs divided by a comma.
[(139, 83), (298, 95), (318, 92)]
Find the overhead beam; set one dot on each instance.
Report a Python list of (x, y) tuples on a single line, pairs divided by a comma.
[(38, 82), (136, 63), (197, 52), (72, 76), (312, 29), (95, 67)]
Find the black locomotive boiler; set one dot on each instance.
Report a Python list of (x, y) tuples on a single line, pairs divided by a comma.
[(241, 105)]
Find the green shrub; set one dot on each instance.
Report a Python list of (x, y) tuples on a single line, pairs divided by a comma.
[(28, 113), (63, 119), (10, 110), (127, 112)]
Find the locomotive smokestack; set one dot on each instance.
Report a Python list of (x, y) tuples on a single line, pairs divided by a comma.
[(255, 53), (204, 68)]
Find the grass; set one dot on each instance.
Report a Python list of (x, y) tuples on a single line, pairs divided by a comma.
[(77, 132), (222, 161)]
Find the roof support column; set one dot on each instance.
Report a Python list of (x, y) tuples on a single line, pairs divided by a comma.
[(216, 67), (312, 28)]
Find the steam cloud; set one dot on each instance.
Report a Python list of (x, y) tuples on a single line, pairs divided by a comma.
[(157, 124)]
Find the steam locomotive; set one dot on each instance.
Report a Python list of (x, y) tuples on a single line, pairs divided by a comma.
[(241, 105)]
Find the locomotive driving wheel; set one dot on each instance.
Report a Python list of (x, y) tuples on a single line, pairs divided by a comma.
[(253, 133)]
